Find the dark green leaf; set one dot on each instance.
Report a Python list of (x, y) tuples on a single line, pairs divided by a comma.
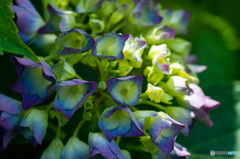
[(9, 39)]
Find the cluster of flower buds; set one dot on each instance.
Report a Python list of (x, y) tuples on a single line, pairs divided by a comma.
[(146, 84)]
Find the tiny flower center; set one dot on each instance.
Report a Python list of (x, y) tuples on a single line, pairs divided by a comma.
[(124, 91), (74, 89)]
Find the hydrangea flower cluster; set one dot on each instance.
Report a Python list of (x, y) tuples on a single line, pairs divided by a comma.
[(146, 86)]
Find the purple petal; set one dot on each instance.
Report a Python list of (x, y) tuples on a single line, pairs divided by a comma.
[(164, 131), (179, 151), (9, 105), (181, 115), (119, 121), (210, 104), (143, 15), (196, 98), (192, 59), (110, 46), (27, 133), (125, 90), (98, 144), (133, 50), (74, 41), (36, 121), (71, 95), (141, 115), (59, 21), (202, 114), (35, 81), (9, 121), (177, 19), (177, 86), (156, 127), (167, 144), (27, 20), (159, 34), (5, 137), (161, 63), (197, 68)]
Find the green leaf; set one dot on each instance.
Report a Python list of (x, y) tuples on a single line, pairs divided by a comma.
[(9, 39)]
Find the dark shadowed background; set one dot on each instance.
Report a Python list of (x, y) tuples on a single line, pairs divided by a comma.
[(214, 32)]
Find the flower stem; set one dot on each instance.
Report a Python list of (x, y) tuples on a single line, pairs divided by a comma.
[(118, 140), (49, 106), (51, 57), (105, 95), (61, 134), (142, 101), (80, 124), (144, 95), (114, 71), (119, 26), (58, 131), (133, 109), (81, 26)]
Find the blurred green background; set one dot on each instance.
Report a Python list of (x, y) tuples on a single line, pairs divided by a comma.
[(214, 32)]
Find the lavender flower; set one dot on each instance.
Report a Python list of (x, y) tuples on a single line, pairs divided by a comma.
[(27, 19), (71, 95), (110, 46), (119, 121), (35, 81), (125, 90)]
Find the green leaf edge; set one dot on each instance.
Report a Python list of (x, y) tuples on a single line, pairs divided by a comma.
[(18, 46)]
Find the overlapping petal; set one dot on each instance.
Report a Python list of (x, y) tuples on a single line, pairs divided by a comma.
[(177, 86), (197, 68), (110, 46), (202, 114), (119, 121), (98, 144), (34, 125), (164, 131), (177, 19), (195, 98), (157, 94), (74, 41), (35, 81), (143, 15), (179, 152), (183, 116), (88, 6), (5, 137), (71, 95), (27, 19), (162, 63), (133, 50), (144, 118), (75, 149), (159, 34), (59, 21), (157, 50), (10, 116), (125, 91), (10, 112)]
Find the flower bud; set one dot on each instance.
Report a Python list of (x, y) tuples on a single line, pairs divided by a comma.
[(96, 25), (75, 148), (36, 122), (116, 17), (53, 150)]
